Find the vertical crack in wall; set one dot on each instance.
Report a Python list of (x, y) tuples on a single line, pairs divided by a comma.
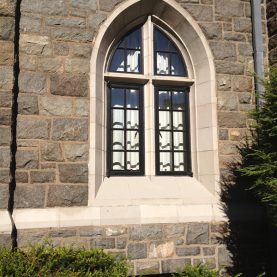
[(15, 91)]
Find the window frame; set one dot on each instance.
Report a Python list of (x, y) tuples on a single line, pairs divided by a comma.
[(110, 171)]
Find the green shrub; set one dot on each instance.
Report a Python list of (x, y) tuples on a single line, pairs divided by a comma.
[(197, 271), (45, 260)]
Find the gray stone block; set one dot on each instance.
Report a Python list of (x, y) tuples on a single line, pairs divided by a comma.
[(147, 267), (200, 13), (70, 129), (56, 105), (27, 159), (188, 251), (29, 196), (21, 176), (5, 157), (174, 265), (75, 152), (174, 230), (81, 50), (69, 85), (137, 251), (27, 104), (84, 4), (91, 231), (198, 233), (4, 196), (7, 7), (44, 7), (95, 20), (5, 99), (108, 5), (67, 195), (224, 257), (121, 243), (32, 82), (66, 22), (223, 134), (6, 28), (42, 176), (161, 249), (30, 23), (245, 50), (244, 97), (61, 49), (5, 136), (224, 67), (234, 37), (6, 77), (224, 51), (212, 30), (6, 54), (104, 243), (232, 119), (5, 116), (228, 8), (227, 101), (64, 233), (71, 34), (115, 231), (4, 176), (33, 128), (77, 65), (73, 173), (51, 151), (242, 25), (146, 232), (6, 241), (208, 251)]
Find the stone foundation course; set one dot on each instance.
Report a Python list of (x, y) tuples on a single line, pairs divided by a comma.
[(151, 249)]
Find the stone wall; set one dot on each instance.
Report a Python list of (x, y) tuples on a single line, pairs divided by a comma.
[(272, 31), (56, 39), (159, 248)]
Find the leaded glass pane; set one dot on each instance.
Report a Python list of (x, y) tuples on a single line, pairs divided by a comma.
[(117, 63), (164, 120), (165, 140), (179, 163), (132, 160), (118, 118), (178, 123), (132, 140), (162, 66), (118, 140), (132, 119), (177, 66), (178, 100), (164, 99), (178, 138), (133, 61), (132, 98), (165, 161), (117, 97), (118, 161)]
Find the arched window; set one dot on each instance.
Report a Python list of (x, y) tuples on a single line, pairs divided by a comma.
[(146, 61)]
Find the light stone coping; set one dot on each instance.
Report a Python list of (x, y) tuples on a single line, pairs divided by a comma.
[(110, 215)]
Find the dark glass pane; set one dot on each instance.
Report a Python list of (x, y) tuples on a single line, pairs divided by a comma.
[(178, 100), (162, 66), (132, 98), (177, 65), (164, 100), (133, 61), (117, 63), (117, 97), (133, 40), (162, 43)]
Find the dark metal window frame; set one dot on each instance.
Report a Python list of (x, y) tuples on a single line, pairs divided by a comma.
[(155, 51), (125, 49), (125, 172), (185, 131)]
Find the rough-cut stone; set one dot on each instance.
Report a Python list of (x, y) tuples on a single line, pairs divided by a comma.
[(28, 62), (73, 173), (91, 231), (244, 97), (229, 8), (42, 176), (198, 233), (61, 49), (200, 13), (188, 251), (75, 152), (70, 129), (21, 176), (5, 241), (77, 65), (95, 20), (84, 4), (32, 82), (115, 231), (6, 28), (121, 243), (7, 7), (108, 5), (223, 82), (35, 44), (29, 196), (27, 104), (30, 237), (56, 105), (4, 157), (212, 30), (5, 116), (33, 128), (6, 53), (4, 196), (69, 85), (242, 25), (241, 83), (146, 232), (137, 251), (176, 230), (147, 267), (49, 64), (234, 37), (63, 233), (228, 148), (27, 159), (227, 101), (81, 50), (161, 249), (51, 151), (104, 243), (223, 134), (224, 257), (71, 34), (66, 22), (5, 136), (208, 251), (82, 107), (67, 195), (44, 7), (231, 120), (5, 99), (245, 49), (174, 265), (6, 77), (225, 67), (224, 51), (4, 176), (30, 23)]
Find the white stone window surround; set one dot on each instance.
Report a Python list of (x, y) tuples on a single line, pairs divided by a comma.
[(183, 30)]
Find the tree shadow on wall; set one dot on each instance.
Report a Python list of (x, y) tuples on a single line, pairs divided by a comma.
[(250, 239)]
